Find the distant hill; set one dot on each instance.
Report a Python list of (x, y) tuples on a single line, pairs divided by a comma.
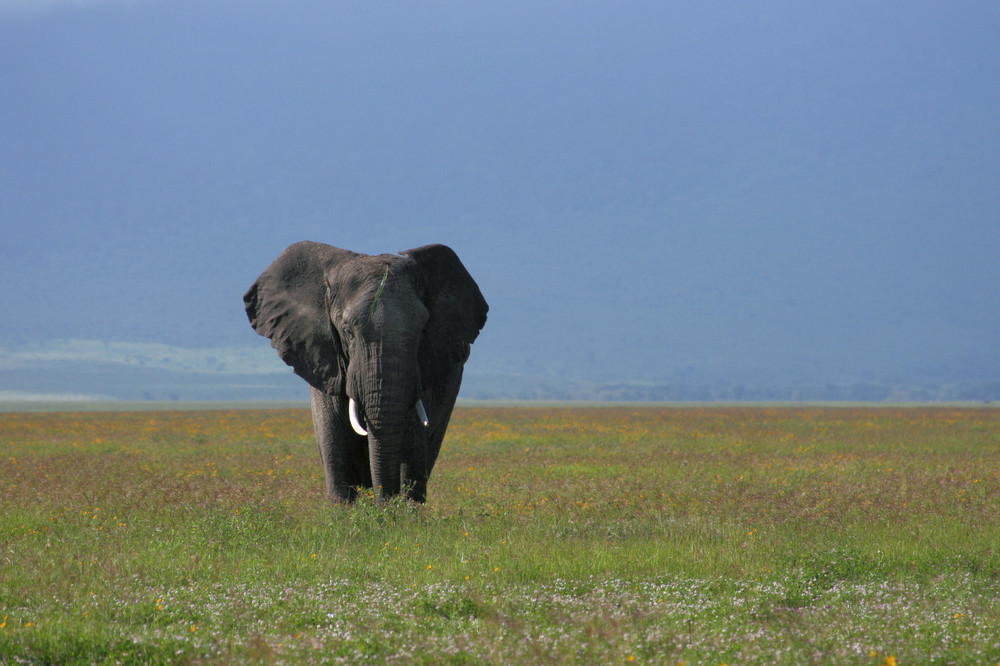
[(81, 370)]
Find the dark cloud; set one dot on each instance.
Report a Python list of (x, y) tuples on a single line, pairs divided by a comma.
[(729, 192)]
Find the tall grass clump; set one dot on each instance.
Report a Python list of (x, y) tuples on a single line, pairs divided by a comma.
[(567, 535)]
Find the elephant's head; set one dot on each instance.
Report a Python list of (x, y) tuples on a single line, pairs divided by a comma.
[(384, 337)]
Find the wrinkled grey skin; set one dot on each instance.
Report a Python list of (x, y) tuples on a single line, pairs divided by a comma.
[(386, 331)]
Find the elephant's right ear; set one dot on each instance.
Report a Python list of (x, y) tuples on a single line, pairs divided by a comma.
[(288, 304)]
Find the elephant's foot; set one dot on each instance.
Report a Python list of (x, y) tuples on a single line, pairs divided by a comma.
[(344, 496)]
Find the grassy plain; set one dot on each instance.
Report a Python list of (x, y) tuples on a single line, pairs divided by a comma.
[(563, 535)]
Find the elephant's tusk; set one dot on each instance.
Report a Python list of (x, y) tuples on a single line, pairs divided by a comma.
[(422, 413), (352, 412)]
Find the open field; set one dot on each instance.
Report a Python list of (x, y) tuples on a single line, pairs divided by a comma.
[(586, 535)]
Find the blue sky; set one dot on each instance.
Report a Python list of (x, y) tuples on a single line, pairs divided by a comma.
[(723, 192)]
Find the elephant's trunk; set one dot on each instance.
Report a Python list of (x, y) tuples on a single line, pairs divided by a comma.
[(390, 437), (383, 408)]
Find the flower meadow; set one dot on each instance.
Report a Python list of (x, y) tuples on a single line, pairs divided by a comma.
[(578, 535)]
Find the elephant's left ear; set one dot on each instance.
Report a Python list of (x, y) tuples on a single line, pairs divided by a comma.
[(456, 306)]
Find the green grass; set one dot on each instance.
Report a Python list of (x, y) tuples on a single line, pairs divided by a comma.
[(599, 535)]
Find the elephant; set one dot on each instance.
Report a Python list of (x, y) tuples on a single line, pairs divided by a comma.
[(382, 341)]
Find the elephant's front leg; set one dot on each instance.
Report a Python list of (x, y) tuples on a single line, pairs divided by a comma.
[(414, 470), (440, 401), (336, 443)]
